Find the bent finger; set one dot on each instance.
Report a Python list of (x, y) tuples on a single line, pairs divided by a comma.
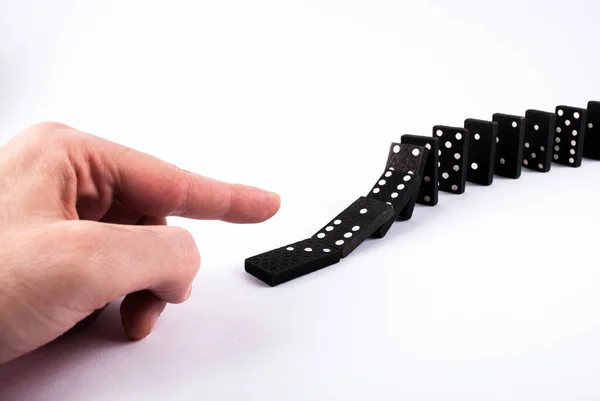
[(139, 313), (120, 260), (140, 310)]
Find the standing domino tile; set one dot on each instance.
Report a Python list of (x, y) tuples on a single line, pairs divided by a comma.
[(292, 261), (591, 146), (453, 158), (482, 151), (355, 224), (539, 138), (570, 134), (428, 192), (509, 145)]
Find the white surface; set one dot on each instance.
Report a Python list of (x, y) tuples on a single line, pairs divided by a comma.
[(492, 295)]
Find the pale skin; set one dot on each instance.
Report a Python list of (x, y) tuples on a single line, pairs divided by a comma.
[(83, 223)]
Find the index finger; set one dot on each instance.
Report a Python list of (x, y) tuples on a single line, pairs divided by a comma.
[(153, 187)]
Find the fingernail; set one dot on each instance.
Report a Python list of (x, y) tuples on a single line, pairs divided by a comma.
[(189, 294), (272, 196)]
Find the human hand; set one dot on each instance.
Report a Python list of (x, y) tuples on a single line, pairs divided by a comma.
[(83, 222)]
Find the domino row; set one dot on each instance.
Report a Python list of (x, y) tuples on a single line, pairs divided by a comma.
[(419, 167)]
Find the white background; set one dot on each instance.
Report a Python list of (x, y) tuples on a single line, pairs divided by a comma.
[(491, 295)]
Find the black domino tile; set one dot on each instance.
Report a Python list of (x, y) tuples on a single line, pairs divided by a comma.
[(406, 157), (428, 192), (569, 137), (591, 146), (482, 151), (453, 158), (538, 141), (355, 224), (396, 188), (509, 145), (292, 261)]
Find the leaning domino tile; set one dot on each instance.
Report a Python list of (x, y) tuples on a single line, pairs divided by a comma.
[(482, 150), (405, 157), (591, 146), (538, 140), (428, 191), (396, 188), (569, 137), (509, 145), (408, 159), (453, 158), (292, 261), (417, 180), (355, 224), (399, 189)]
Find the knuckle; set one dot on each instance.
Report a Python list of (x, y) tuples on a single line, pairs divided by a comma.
[(51, 126), (46, 130), (186, 249), (52, 134), (186, 260), (175, 192)]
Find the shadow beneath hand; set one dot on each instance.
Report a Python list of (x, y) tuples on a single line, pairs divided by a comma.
[(214, 331), (82, 342)]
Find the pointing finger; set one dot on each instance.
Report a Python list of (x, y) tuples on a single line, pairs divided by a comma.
[(156, 188)]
